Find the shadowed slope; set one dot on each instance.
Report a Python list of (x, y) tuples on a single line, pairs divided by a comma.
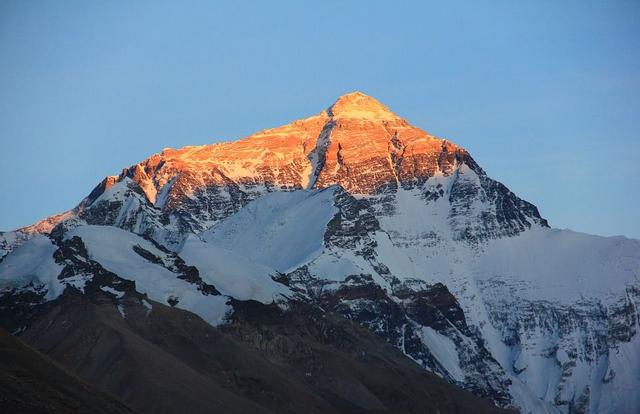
[(31, 383), (169, 360)]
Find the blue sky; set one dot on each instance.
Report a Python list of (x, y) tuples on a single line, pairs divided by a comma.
[(544, 94)]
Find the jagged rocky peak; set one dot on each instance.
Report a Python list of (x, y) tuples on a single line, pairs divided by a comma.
[(369, 148), (357, 143)]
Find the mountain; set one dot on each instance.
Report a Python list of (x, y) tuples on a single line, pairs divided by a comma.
[(360, 216)]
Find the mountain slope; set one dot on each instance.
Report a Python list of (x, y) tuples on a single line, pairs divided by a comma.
[(31, 382), (158, 358), (357, 212)]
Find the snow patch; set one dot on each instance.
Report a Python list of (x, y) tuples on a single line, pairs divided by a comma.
[(231, 273), (113, 249), (444, 350), (32, 262), (111, 290), (147, 306), (282, 230)]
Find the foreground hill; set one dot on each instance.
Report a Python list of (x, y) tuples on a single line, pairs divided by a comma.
[(31, 383)]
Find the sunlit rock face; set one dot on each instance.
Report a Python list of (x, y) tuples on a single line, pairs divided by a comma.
[(370, 148), (364, 215), (357, 144)]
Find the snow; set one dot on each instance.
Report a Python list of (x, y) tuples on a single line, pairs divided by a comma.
[(526, 402), (543, 353), (163, 194), (147, 306), (620, 394), (111, 290), (282, 230), (121, 311), (32, 262), (77, 281), (7, 239), (311, 171), (113, 249), (117, 192), (551, 264), (444, 350), (337, 267), (541, 373), (539, 264), (232, 274)]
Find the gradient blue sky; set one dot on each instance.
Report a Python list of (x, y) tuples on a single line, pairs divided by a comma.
[(544, 94)]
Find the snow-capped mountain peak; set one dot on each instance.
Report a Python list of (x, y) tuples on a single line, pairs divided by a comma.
[(360, 213)]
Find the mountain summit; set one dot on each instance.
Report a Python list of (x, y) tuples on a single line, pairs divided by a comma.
[(357, 143), (358, 105), (308, 246)]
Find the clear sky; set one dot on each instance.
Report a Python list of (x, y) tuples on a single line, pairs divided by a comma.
[(544, 94)]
